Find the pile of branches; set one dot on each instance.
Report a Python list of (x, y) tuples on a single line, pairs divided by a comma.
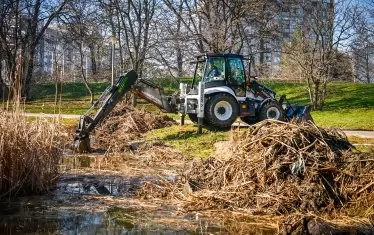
[(279, 168), (125, 124), (161, 188)]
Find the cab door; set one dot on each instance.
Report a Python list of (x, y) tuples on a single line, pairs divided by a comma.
[(236, 75)]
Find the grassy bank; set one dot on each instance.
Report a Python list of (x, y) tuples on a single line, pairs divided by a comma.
[(185, 139), (348, 105)]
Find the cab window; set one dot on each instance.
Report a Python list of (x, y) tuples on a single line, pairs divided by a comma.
[(215, 69), (236, 76)]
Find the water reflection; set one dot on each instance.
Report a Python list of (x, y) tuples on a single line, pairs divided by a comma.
[(19, 218), (68, 210), (77, 206)]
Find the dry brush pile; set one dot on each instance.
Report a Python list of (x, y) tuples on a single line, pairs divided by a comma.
[(126, 124), (279, 168), (28, 156)]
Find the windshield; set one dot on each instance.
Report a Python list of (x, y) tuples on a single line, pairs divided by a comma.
[(215, 69), (200, 66)]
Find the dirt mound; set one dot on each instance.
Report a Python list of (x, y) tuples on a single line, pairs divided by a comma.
[(126, 124), (280, 168)]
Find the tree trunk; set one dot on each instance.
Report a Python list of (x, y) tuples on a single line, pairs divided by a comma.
[(178, 34), (29, 68), (84, 75), (323, 95), (316, 94), (310, 92), (93, 59), (1, 80), (180, 62), (367, 67)]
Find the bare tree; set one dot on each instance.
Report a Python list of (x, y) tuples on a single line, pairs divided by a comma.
[(213, 25), (136, 17), (362, 45), (80, 29), (234, 26), (22, 25), (327, 27)]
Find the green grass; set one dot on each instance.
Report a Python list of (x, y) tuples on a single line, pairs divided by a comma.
[(70, 91), (348, 105), (185, 139), (67, 107), (362, 144), (74, 98)]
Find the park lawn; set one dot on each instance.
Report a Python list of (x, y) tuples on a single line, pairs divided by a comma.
[(67, 107), (70, 91), (74, 98), (348, 105), (185, 139)]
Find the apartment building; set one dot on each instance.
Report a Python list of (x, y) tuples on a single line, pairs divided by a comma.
[(292, 15)]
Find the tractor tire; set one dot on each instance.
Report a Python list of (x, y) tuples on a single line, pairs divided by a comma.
[(193, 117), (249, 120), (221, 111), (271, 110)]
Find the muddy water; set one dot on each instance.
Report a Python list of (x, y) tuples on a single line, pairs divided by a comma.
[(92, 201), (87, 201)]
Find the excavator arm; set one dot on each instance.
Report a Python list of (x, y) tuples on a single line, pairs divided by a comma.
[(154, 94), (103, 106), (108, 100)]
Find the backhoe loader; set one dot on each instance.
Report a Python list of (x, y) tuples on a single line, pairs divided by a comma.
[(221, 91)]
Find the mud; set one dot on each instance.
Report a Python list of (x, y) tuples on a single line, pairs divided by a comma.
[(87, 201), (96, 194)]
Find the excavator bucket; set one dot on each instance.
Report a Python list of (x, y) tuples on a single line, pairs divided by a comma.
[(104, 105), (292, 112)]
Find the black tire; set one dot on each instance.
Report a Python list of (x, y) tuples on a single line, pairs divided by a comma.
[(249, 120), (193, 117), (221, 111), (271, 110)]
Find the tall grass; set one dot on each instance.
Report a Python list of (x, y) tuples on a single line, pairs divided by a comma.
[(28, 158)]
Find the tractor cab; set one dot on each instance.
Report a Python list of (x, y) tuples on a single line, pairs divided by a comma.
[(221, 70)]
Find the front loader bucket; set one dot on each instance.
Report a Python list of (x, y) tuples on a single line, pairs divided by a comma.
[(299, 113)]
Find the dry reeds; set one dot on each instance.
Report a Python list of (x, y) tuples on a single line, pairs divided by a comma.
[(28, 158), (279, 168), (126, 124)]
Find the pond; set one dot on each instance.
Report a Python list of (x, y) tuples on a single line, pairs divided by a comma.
[(91, 201)]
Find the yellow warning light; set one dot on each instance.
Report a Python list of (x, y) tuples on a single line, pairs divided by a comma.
[(244, 106)]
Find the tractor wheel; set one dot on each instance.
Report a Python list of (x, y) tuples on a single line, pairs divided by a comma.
[(249, 120), (271, 110), (221, 111), (193, 117)]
